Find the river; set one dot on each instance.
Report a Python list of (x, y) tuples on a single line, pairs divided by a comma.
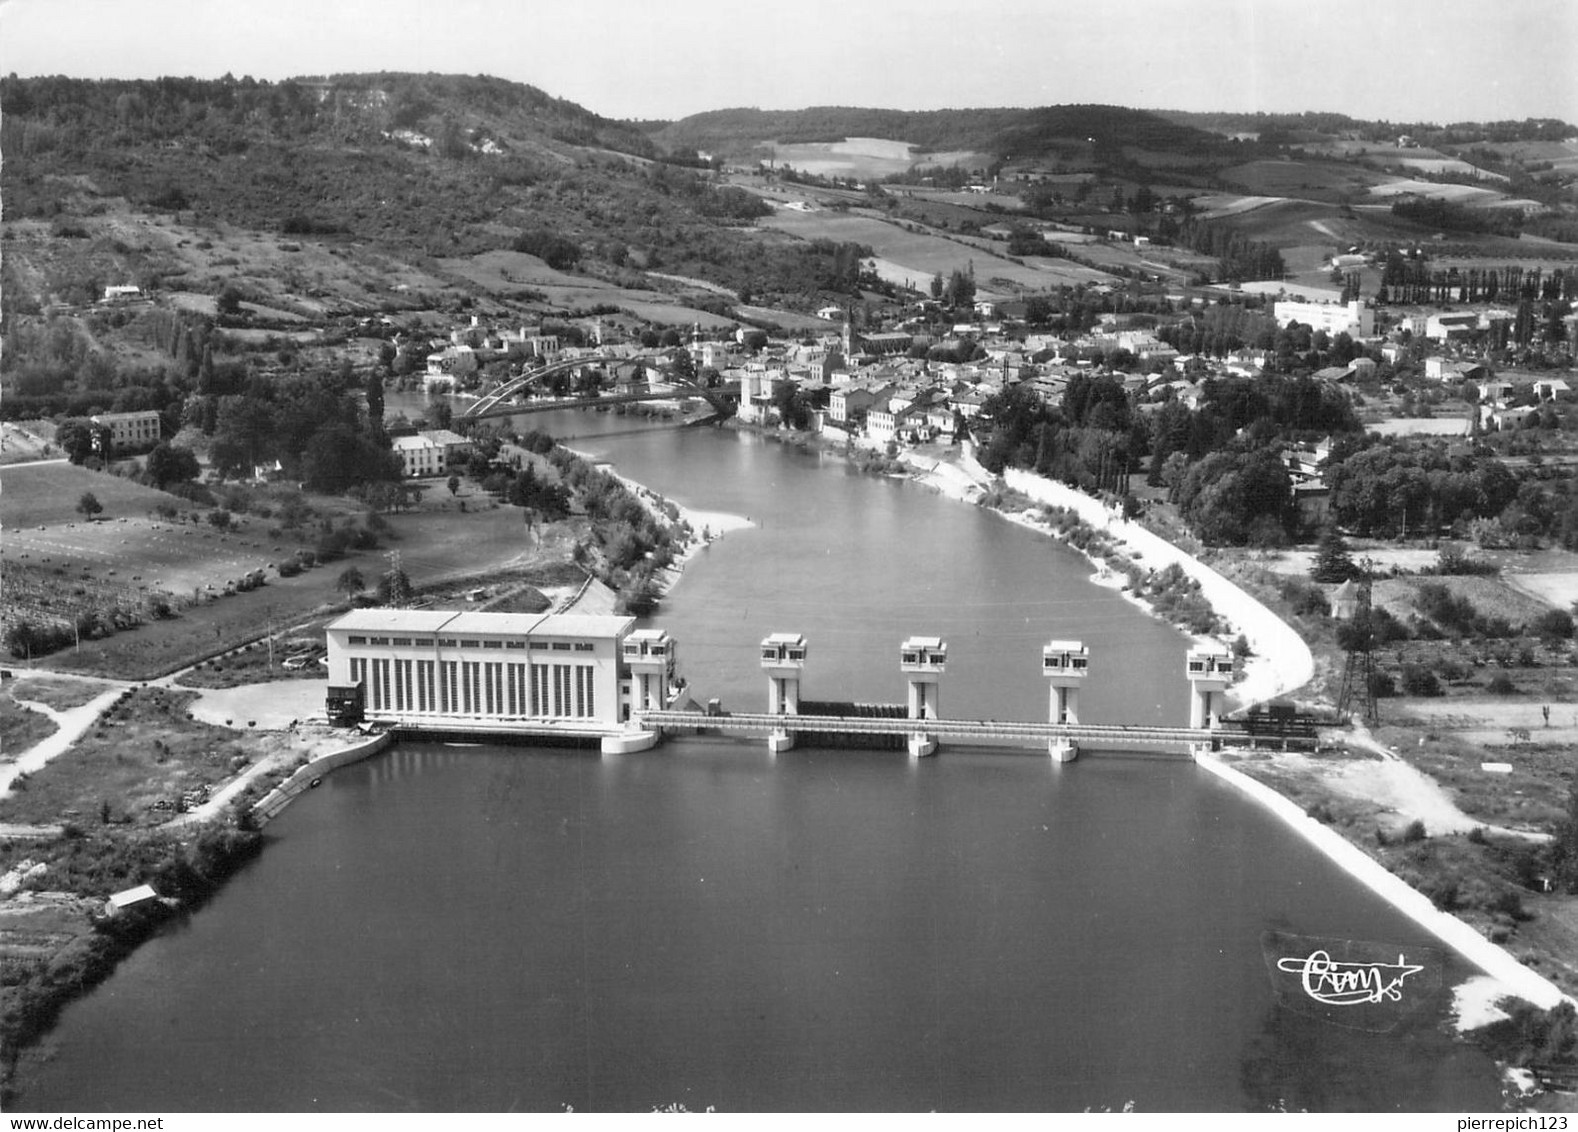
[(494, 928)]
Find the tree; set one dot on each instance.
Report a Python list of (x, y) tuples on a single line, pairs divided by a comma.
[(81, 439), (1332, 560), (229, 301), (1564, 845), (440, 415), (350, 581), (167, 464), (375, 398), (89, 505)]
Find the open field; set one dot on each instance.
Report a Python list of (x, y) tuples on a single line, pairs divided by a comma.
[(60, 693), (1456, 194), (1490, 595), (1556, 589), (48, 494), (915, 256), (504, 273), (1214, 206), (1421, 426), (26, 440), (110, 564), (863, 158), (1316, 180), (296, 276), (1005, 200), (22, 727), (143, 752), (148, 554)]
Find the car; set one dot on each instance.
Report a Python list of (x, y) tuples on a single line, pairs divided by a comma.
[(293, 663)]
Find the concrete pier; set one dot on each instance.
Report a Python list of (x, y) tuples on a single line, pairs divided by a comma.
[(924, 660), (1065, 664)]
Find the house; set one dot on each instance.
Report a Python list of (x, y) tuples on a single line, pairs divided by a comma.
[(969, 402), (1497, 416), (130, 431), (1494, 392), (451, 363), (122, 293), (429, 452), (1546, 389), (1313, 502), (1446, 369), (1442, 327), (849, 404), (419, 456), (822, 369), (907, 424)]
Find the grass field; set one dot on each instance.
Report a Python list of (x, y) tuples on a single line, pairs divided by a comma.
[(865, 158), (904, 255), (504, 272), (71, 562), (56, 692), (48, 494), (21, 727), (144, 750), (1457, 194), (1316, 180), (26, 440), (1490, 596)]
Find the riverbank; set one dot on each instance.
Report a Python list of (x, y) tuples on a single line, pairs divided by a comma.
[(1280, 664)]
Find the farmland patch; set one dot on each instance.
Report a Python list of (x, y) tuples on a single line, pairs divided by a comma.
[(1457, 194)]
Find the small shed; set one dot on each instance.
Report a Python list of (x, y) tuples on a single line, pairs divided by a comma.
[(1345, 601), (130, 898)]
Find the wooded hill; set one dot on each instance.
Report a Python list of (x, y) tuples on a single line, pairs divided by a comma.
[(1001, 132), (414, 165)]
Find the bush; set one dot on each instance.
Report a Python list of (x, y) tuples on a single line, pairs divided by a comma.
[(1443, 892), (1417, 680), (1501, 685), (1555, 624)]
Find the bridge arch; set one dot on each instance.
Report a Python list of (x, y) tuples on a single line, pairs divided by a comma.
[(496, 402)]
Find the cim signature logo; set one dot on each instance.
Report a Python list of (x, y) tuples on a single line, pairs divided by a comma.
[(1349, 984), (1353, 983)]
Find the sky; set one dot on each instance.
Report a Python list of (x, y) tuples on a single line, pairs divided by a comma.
[(1396, 60)]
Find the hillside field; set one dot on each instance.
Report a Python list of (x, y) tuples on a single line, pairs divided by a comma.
[(915, 257), (863, 158)]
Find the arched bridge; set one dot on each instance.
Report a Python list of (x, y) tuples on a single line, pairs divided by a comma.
[(499, 401)]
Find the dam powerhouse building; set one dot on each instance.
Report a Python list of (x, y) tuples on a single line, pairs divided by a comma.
[(571, 674)]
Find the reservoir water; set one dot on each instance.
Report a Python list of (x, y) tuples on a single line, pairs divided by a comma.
[(502, 927)]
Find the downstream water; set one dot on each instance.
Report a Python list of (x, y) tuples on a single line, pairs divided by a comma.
[(509, 927)]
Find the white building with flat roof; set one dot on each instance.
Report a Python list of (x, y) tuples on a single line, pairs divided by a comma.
[(1354, 319), (534, 673)]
